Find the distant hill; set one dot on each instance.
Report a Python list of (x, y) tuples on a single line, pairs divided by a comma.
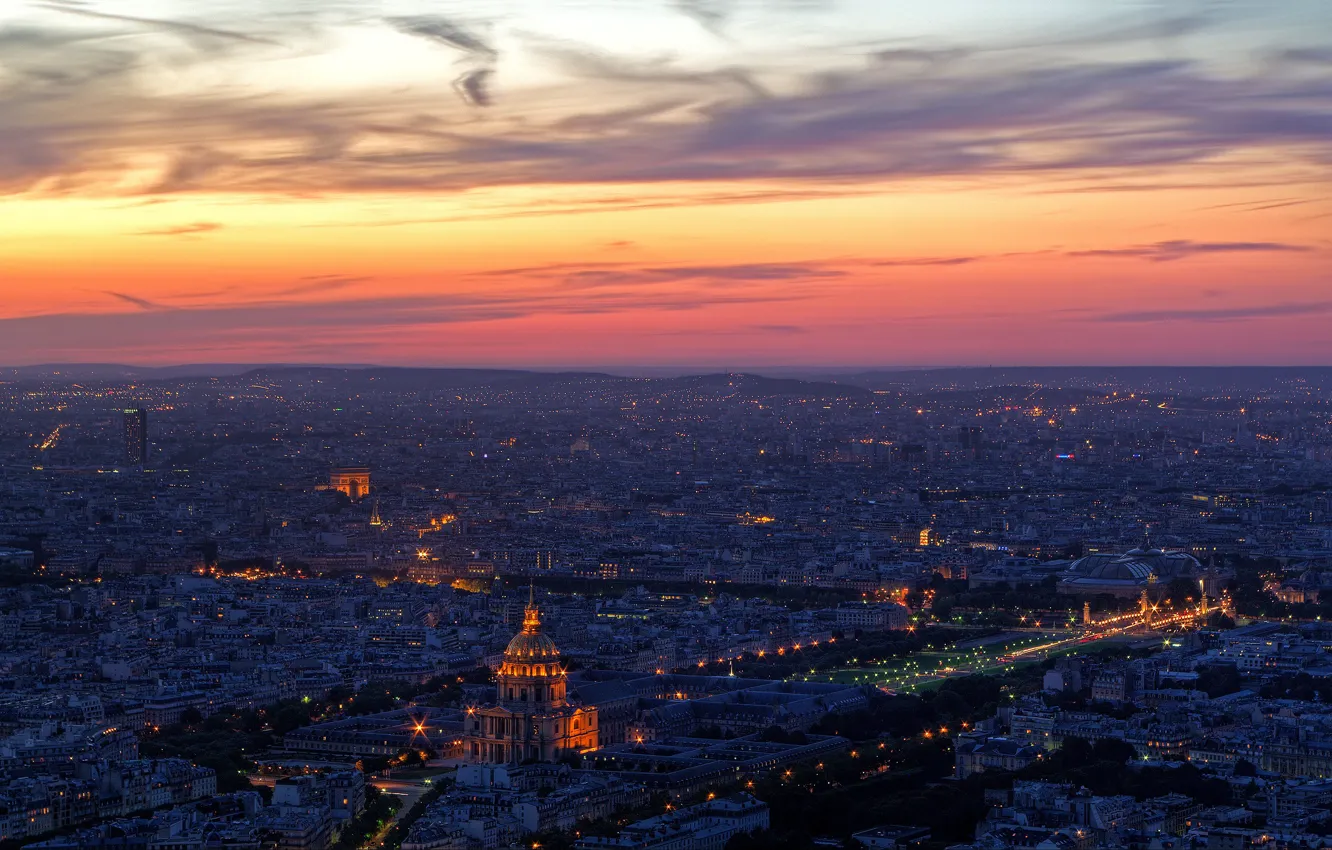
[(120, 372), (412, 379), (1192, 379), (420, 378), (813, 382), (763, 385)]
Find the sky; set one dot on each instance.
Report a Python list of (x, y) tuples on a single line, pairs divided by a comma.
[(694, 183)]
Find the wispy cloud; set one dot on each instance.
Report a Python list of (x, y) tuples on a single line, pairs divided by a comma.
[(607, 274), (739, 272), (321, 284), (472, 85), (549, 270), (926, 261), (141, 303), (585, 63), (215, 324), (715, 15), (183, 28), (623, 273), (590, 206), (1312, 55), (1230, 314), (85, 113), (447, 32), (710, 14), (193, 229), (1179, 249), (1258, 206)]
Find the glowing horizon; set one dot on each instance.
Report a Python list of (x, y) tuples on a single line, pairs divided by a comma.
[(649, 182)]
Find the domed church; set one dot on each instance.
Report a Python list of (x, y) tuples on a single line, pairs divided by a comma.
[(531, 718)]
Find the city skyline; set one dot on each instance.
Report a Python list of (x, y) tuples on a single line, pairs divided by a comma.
[(460, 609), (695, 184)]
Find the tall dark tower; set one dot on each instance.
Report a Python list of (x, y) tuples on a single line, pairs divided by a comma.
[(136, 436)]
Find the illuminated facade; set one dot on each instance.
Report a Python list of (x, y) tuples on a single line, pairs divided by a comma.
[(532, 718), (1141, 570), (353, 482)]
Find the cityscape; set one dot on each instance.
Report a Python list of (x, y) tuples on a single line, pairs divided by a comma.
[(456, 609), (665, 425)]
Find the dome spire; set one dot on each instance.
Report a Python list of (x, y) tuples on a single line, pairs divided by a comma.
[(531, 616)]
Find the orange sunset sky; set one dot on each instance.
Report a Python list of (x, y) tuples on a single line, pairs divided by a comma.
[(618, 183)]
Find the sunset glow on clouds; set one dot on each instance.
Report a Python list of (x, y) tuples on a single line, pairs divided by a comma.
[(639, 182)]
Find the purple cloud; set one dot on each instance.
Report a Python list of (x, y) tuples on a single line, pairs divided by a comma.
[(141, 303), (80, 114), (1231, 314), (1179, 249)]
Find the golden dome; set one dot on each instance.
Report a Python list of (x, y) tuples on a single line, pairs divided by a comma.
[(530, 644)]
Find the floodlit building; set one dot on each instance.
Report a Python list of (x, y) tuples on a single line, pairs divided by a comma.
[(352, 482), (1126, 576), (531, 718)]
